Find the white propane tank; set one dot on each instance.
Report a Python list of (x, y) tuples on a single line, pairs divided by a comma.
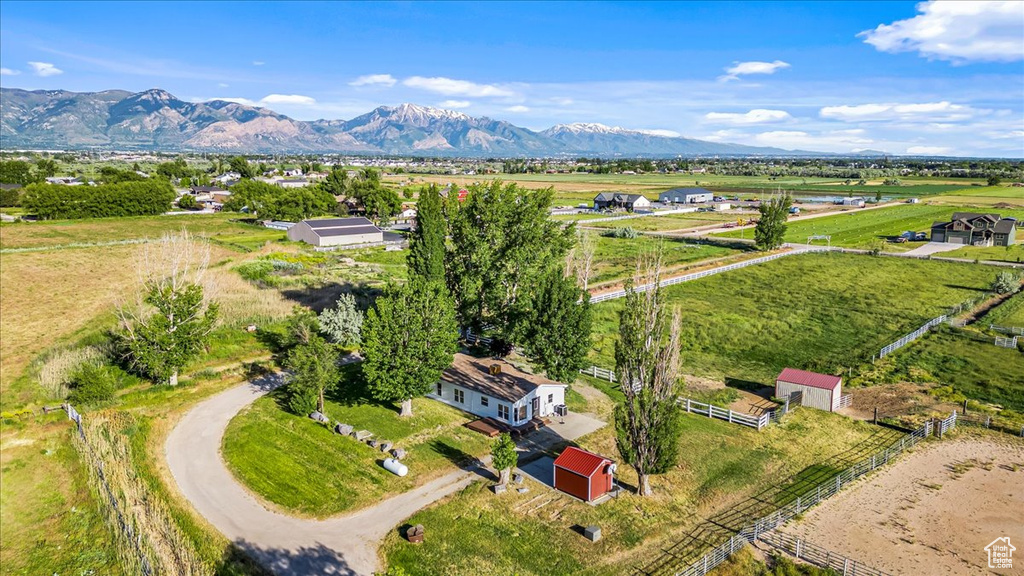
[(395, 467)]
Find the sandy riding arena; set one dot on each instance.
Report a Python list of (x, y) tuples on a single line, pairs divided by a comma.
[(932, 512)]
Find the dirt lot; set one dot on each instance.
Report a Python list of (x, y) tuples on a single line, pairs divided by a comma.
[(933, 512)]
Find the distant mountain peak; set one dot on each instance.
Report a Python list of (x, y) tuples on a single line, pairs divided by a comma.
[(415, 113)]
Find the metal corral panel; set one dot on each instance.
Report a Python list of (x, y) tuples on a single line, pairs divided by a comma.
[(813, 397)]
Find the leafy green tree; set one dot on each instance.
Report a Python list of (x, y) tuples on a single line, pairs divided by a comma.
[(343, 323), (241, 165), (9, 198), (554, 326), (409, 338), (381, 203), (504, 456), (46, 167), (17, 172), (92, 383), (161, 342), (112, 175), (176, 169), (187, 202), (314, 368), (426, 243), (647, 422), (336, 183), (771, 227), (994, 180), (252, 196), (53, 201), (502, 241)]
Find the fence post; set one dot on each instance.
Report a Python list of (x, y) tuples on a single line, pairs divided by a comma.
[(839, 482), (798, 542), (730, 416), (875, 421), (846, 565), (687, 405)]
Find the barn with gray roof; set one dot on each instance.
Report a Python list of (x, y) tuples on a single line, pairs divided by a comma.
[(336, 232)]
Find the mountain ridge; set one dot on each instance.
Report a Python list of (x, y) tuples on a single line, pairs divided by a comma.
[(155, 119)]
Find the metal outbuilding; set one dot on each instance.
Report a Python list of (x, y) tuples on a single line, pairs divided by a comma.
[(583, 474), (336, 232), (821, 391)]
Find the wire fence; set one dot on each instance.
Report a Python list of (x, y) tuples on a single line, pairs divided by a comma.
[(986, 421), (1018, 330), (810, 498), (803, 550)]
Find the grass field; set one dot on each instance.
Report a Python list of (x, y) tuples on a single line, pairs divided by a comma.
[(863, 229), (823, 312), (720, 466), (615, 258), (670, 222), (304, 467), (1009, 313), (995, 196)]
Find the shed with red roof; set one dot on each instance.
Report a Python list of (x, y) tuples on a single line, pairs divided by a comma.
[(583, 474), (821, 391)]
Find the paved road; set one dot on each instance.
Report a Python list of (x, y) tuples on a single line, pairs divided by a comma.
[(933, 248), (344, 545)]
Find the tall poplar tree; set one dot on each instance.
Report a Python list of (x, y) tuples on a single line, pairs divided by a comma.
[(426, 244)]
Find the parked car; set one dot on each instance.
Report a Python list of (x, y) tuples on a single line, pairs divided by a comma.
[(718, 198), (920, 236)]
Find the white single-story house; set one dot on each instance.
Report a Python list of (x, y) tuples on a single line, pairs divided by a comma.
[(686, 196), (856, 202), (495, 389), (336, 232)]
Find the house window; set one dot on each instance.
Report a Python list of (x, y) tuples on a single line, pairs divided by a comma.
[(484, 401), (460, 396), (503, 411), (439, 389), (521, 413), (551, 398)]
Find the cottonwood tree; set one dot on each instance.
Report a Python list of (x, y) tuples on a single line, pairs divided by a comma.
[(343, 323), (426, 243), (314, 368), (647, 422), (504, 456), (581, 258), (554, 325), (171, 316), (771, 226), (409, 338)]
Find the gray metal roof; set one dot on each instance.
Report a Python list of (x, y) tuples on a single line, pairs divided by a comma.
[(688, 191), (346, 231), (1005, 226), (334, 222)]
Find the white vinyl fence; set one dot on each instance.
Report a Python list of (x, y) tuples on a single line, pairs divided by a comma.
[(602, 373), (889, 349), (1018, 330), (712, 411), (1006, 342)]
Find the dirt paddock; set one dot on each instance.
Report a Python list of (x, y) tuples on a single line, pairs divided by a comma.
[(932, 512)]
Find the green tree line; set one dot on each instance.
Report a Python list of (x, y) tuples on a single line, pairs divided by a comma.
[(52, 201)]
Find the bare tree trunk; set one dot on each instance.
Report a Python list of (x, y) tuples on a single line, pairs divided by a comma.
[(406, 407), (173, 380), (644, 488), (320, 402), (503, 476)]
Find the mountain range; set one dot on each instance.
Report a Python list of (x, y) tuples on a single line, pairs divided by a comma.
[(157, 120)]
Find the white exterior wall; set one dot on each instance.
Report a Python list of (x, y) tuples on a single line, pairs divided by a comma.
[(681, 198), (642, 202), (301, 232), (812, 397), (473, 403)]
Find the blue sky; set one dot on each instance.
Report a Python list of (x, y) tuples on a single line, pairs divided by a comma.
[(902, 77)]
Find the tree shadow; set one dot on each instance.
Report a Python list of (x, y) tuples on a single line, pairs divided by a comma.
[(741, 384), (318, 559), (968, 288), (355, 390), (326, 295), (461, 459)]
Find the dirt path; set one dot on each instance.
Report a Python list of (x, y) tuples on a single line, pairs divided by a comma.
[(344, 545), (933, 512)]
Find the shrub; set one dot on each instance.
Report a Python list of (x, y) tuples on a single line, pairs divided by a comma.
[(343, 323), (255, 271), (59, 368), (187, 202), (92, 384), (1005, 283), (627, 232)]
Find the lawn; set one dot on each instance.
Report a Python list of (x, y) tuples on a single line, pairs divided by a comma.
[(865, 228), (225, 228), (305, 468), (721, 465), (672, 221), (995, 196), (823, 312), (1013, 253), (615, 258)]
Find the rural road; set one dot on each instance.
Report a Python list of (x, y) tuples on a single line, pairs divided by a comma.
[(345, 545)]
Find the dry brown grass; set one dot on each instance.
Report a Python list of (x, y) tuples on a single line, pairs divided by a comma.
[(57, 369)]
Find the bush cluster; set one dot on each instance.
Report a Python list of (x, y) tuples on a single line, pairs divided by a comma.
[(53, 201)]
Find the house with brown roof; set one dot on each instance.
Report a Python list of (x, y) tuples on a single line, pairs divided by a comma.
[(972, 229), (492, 388)]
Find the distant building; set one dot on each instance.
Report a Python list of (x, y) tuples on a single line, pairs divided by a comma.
[(621, 200), (856, 202), (973, 229), (461, 193), (821, 391), (293, 183), (336, 232), (277, 224), (686, 196)]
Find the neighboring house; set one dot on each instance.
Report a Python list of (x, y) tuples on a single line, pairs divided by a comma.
[(462, 193), (621, 200), (856, 202), (686, 196), (821, 391), (295, 183), (65, 180), (336, 232), (227, 177), (583, 474), (495, 389), (973, 229), (210, 190)]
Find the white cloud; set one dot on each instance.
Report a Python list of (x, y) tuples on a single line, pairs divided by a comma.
[(222, 85), (245, 101), (9, 72), (452, 87), (374, 80), (929, 150), (744, 68), (756, 116), (258, 62), (518, 109), (925, 112), (288, 99), (960, 32), (828, 141), (45, 69), (454, 104)]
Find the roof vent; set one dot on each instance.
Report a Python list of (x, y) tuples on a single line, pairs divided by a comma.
[(495, 369)]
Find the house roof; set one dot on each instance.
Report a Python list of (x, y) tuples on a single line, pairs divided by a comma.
[(325, 227), (812, 379), (688, 191), (580, 461), (617, 197), (510, 384), (971, 216), (207, 189), (1005, 226)]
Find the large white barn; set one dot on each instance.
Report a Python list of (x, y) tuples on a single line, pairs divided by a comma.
[(336, 232)]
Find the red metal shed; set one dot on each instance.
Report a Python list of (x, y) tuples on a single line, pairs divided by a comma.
[(583, 474)]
